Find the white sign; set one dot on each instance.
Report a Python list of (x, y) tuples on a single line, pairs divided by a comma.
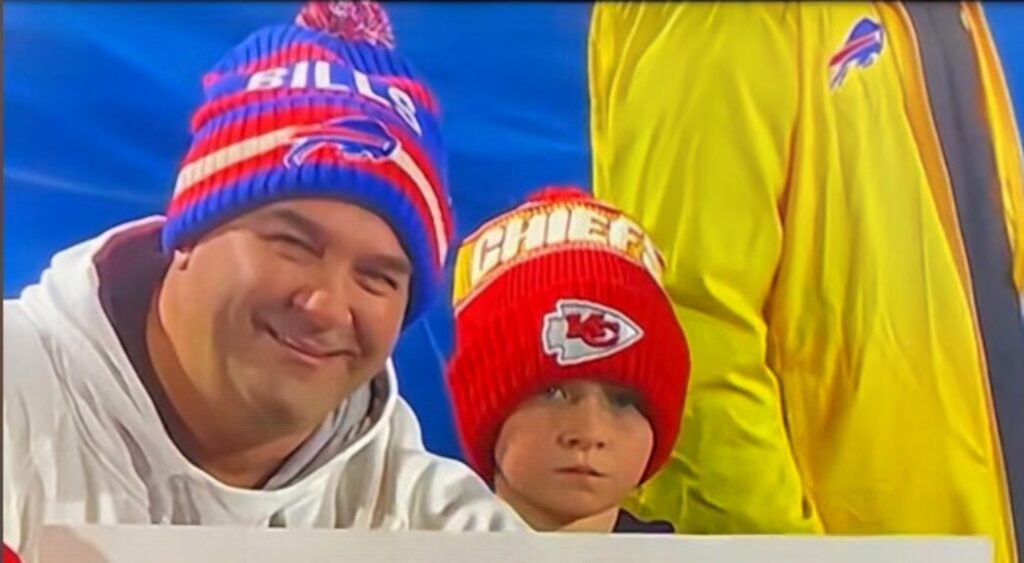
[(194, 544)]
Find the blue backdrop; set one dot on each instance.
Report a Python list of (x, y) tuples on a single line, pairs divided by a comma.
[(97, 98)]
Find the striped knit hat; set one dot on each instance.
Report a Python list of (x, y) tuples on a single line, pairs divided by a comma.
[(323, 108), (559, 288)]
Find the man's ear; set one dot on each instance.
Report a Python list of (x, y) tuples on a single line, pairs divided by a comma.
[(181, 257)]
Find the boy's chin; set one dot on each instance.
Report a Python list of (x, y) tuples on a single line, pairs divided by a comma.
[(572, 506)]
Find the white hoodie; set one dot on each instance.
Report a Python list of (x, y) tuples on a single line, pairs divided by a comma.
[(83, 442)]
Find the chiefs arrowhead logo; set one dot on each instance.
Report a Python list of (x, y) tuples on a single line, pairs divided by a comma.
[(579, 331)]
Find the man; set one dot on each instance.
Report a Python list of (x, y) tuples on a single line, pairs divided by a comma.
[(229, 365), (838, 192)]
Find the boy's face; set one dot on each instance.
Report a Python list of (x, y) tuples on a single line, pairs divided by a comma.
[(572, 451)]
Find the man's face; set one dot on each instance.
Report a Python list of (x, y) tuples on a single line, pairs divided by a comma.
[(290, 308), (572, 451)]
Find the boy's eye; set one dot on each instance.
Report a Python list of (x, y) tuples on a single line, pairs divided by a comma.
[(555, 392), (624, 400)]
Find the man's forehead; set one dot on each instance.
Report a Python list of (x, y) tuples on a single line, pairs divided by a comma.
[(322, 215), (288, 211), (281, 213), (320, 219)]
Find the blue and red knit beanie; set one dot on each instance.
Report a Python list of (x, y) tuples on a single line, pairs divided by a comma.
[(322, 108)]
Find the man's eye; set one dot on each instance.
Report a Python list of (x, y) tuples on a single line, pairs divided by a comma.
[(378, 283), (293, 242), (385, 279)]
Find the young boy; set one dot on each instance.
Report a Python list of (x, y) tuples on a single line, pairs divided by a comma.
[(569, 371)]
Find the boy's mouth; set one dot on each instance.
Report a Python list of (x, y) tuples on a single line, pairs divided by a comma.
[(580, 469)]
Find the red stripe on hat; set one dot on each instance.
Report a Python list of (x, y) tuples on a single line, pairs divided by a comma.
[(213, 108), (257, 124), (384, 170), (268, 121)]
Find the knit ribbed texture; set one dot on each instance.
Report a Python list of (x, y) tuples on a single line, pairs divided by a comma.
[(294, 112), (500, 360)]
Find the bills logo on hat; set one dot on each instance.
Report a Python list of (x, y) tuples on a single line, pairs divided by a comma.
[(579, 331), (862, 46), (353, 137)]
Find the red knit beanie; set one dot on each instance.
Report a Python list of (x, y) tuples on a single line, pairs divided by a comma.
[(562, 287)]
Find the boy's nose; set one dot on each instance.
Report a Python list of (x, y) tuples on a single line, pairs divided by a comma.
[(585, 427)]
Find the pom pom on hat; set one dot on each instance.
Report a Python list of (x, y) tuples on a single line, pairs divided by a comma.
[(558, 193), (351, 21)]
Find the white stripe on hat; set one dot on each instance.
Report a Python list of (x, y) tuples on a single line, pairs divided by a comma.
[(412, 170), (202, 168)]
